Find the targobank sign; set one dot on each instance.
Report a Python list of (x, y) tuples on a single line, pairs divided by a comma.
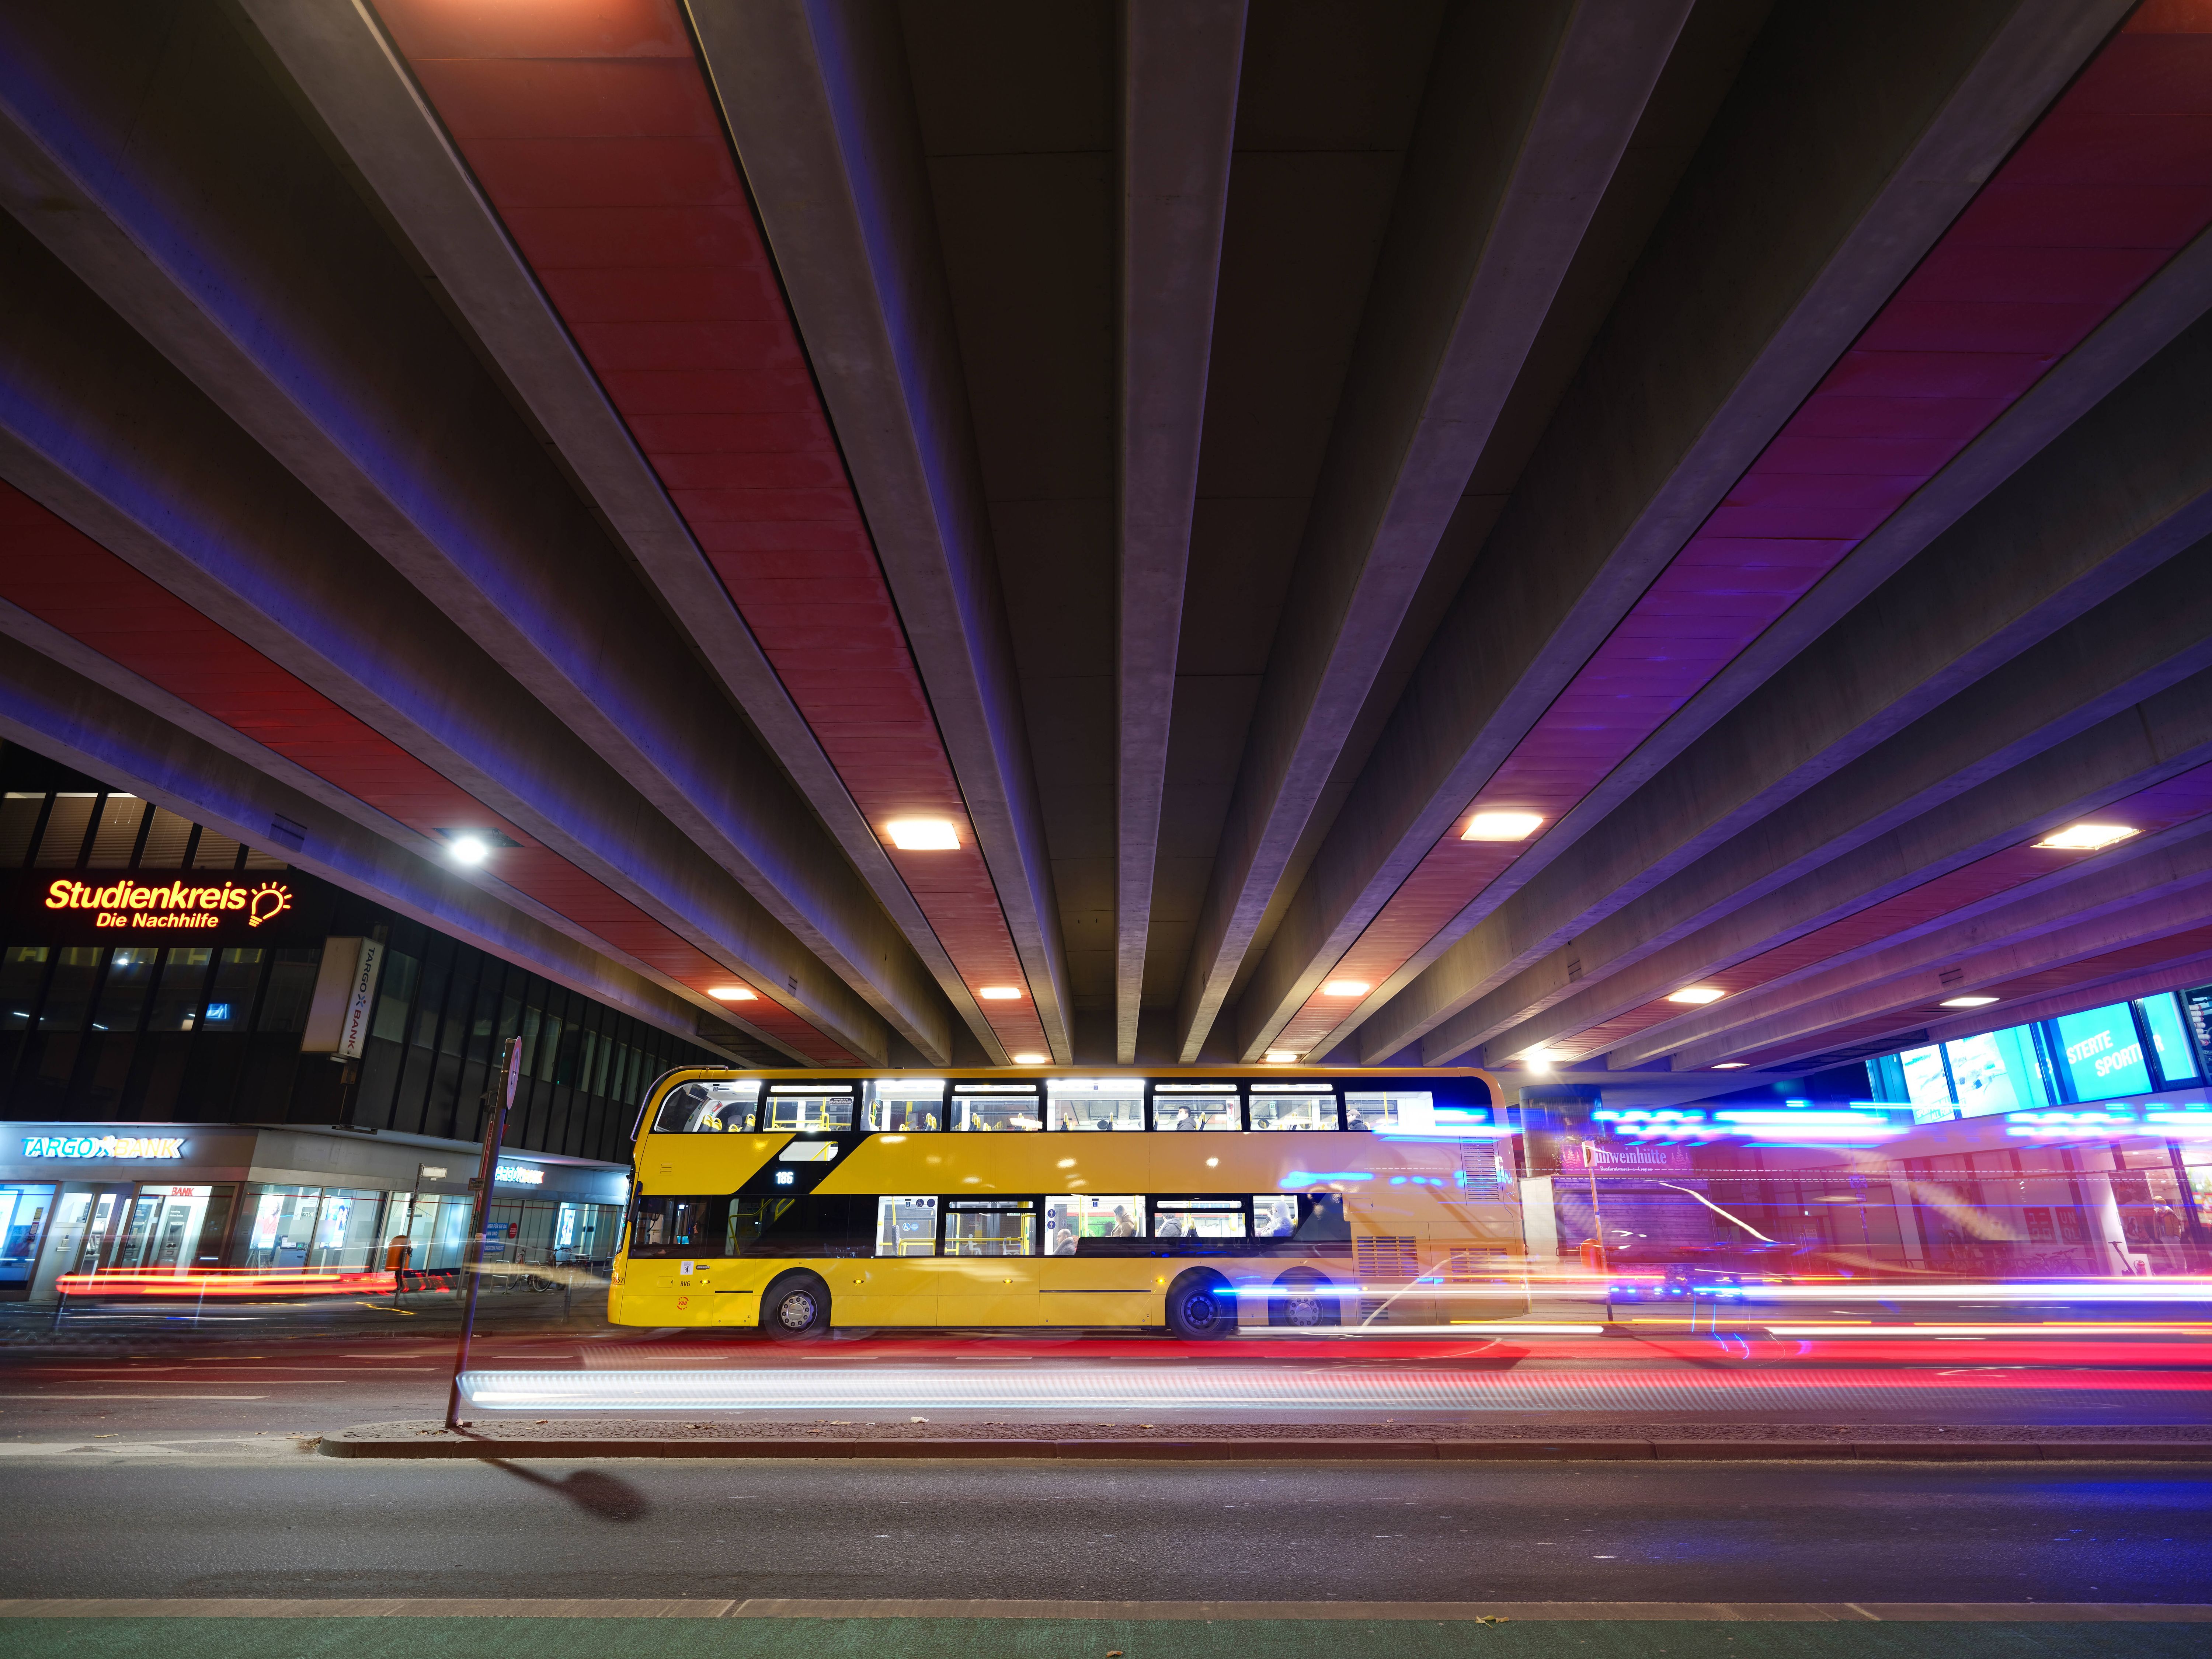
[(127, 1147)]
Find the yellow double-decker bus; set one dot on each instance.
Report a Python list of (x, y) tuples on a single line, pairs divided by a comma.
[(794, 1201)]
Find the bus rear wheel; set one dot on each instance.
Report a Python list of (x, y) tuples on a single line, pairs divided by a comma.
[(1200, 1308), (797, 1305), (1302, 1300)]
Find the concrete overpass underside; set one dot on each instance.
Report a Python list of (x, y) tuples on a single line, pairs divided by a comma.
[(1172, 533)]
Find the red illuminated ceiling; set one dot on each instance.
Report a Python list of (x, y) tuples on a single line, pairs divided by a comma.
[(593, 131), (2113, 180), (65, 579)]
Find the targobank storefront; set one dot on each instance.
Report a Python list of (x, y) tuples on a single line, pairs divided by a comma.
[(184, 1197)]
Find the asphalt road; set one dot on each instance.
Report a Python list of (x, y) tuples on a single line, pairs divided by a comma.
[(273, 1381), (298, 1525)]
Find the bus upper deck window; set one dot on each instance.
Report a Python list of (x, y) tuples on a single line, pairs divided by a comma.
[(1105, 1103), (995, 1107), (706, 1109), (904, 1106), (1294, 1108), (803, 1110), (1390, 1108), (1180, 1107)]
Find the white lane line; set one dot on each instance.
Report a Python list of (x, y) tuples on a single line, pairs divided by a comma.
[(133, 1396)]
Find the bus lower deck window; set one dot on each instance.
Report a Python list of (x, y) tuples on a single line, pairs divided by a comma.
[(1198, 1218), (906, 1226), (1090, 1215), (990, 1226)]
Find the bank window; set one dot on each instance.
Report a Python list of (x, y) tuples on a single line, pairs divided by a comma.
[(990, 1226), (230, 999), (1274, 1215), (1198, 1218), (1294, 1108), (24, 1209), (69, 998), (181, 989), (984, 1107), (123, 998), (906, 1226), (707, 1109), (808, 1111), (1090, 1215), (21, 968), (903, 1106), (1101, 1103), (1179, 1106)]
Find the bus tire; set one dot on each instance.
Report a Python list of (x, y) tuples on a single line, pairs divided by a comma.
[(1302, 1300), (1199, 1309), (796, 1306)]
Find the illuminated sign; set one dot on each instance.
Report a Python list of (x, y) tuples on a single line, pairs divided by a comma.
[(172, 906), (100, 1147), (518, 1174), (1859, 1124), (2104, 1056)]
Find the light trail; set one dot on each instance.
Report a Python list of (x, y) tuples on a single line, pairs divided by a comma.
[(1231, 1388)]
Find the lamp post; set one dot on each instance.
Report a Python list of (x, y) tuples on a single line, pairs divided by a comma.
[(502, 1102)]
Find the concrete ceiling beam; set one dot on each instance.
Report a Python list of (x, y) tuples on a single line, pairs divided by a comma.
[(206, 214), (1810, 202), (1839, 748), (97, 725), (1928, 965), (1180, 66), (366, 98), (100, 429), (1527, 114), (817, 98), (2132, 749), (2171, 891)]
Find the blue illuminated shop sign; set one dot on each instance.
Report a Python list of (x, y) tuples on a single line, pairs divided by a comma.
[(2103, 1057)]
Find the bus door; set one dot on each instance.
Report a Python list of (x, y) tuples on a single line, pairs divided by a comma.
[(988, 1273), (898, 1284)]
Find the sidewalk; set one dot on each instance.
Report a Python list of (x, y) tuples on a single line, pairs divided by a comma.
[(592, 1438)]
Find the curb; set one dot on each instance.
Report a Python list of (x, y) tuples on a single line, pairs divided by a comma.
[(1344, 1451)]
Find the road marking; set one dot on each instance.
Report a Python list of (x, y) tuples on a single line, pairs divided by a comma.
[(133, 1396), (1672, 1612)]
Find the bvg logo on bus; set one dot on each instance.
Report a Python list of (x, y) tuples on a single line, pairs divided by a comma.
[(136, 906)]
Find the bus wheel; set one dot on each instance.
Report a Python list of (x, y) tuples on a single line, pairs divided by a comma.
[(1302, 1299), (796, 1305), (1197, 1309)]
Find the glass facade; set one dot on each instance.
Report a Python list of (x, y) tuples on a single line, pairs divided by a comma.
[(210, 1032), (2099, 1053)]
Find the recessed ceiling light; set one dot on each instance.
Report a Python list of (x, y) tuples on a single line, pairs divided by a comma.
[(1537, 1060), (1346, 987), (923, 834), (1501, 826), (1030, 1060), (469, 849), (1000, 993), (1731, 1065), (1282, 1056), (1697, 994), (731, 993), (1965, 1002), (2086, 837)]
